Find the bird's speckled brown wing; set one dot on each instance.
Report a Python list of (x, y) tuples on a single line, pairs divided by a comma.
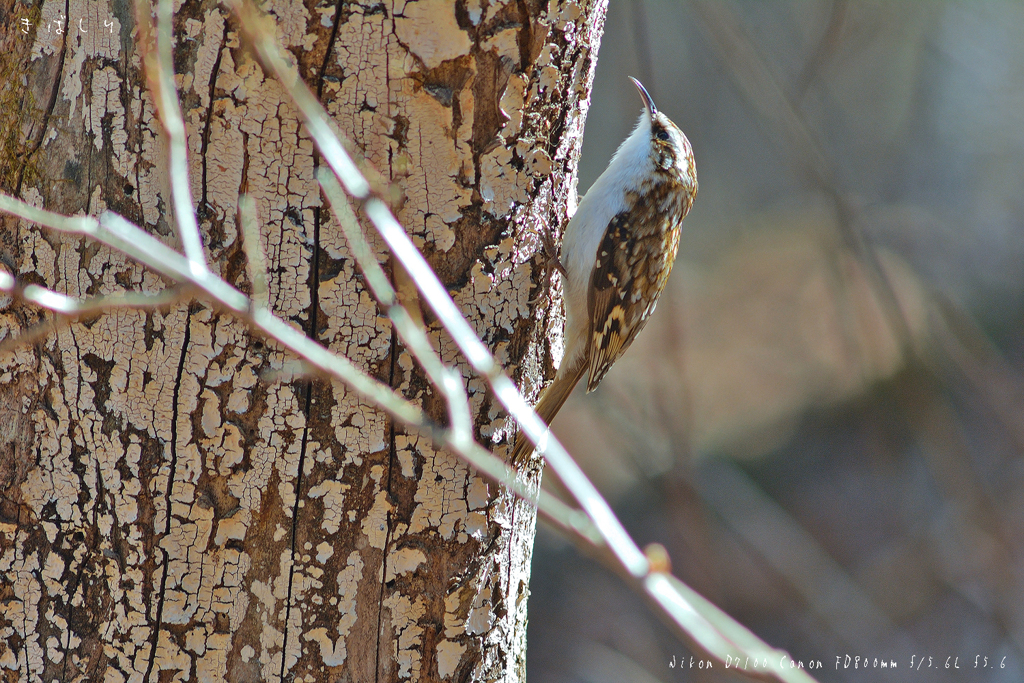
[(633, 264)]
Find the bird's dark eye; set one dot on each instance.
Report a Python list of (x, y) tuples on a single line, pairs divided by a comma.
[(662, 134)]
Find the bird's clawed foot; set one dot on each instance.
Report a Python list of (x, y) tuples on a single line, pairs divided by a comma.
[(551, 262)]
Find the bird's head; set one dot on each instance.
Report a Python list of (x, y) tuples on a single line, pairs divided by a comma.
[(669, 149)]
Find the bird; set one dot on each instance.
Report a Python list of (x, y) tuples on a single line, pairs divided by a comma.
[(617, 253)]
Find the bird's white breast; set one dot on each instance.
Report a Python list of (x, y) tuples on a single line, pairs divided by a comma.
[(604, 200)]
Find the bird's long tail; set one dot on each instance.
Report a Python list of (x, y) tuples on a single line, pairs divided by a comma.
[(551, 401)]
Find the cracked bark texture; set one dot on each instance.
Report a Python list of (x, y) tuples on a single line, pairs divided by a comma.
[(167, 513)]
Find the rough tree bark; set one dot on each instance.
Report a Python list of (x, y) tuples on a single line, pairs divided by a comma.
[(167, 512)]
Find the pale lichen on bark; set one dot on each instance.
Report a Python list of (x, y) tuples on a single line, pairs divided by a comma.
[(167, 512)]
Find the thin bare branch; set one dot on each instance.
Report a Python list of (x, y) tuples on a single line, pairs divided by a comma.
[(721, 635), (160, 75), (825, 49), (261, 32), (69, 309), (413, 336), (257, 260), (34, 334), (170, 114)]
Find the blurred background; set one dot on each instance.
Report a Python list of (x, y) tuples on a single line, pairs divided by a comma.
[(823, 421)]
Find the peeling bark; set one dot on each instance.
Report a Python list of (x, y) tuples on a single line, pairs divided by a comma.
[(168, 513)]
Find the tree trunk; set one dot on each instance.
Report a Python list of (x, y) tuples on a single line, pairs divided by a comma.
[(168, 509)]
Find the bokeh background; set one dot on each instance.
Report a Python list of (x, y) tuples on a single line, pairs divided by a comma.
[(823, 421)]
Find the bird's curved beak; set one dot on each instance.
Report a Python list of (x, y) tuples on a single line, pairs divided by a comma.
[(645, 96)]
